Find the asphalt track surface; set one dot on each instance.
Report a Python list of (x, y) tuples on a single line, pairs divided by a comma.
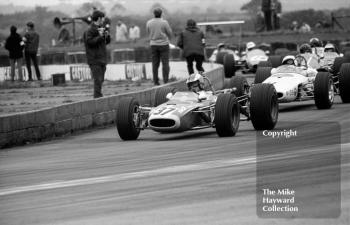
[(187, 178)]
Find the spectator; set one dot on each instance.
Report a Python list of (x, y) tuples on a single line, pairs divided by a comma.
[(276, 13), (63, 35), (294, 26), (266, 8), (14, 45), (305, 28), (260, 21), (159, 33), (134, 33), (31, 39), (192, 42), (121, 34), (95, 39)]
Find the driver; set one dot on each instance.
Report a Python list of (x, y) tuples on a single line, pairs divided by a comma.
[(250, 46), (317, 47), (195, 82), (329, 47), (289, 66)]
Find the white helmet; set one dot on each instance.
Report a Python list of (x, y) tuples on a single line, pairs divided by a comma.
[(329, 46), (287, 58), (250, 45), (195, 78)]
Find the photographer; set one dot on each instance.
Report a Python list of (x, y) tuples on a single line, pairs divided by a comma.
[(95, 39)]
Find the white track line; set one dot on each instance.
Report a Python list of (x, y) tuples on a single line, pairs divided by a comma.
[(158, 172)]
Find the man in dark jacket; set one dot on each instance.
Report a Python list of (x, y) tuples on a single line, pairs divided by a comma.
[(192, 42), (266, 8), (31, 39), (276, 13), (14, 45), (95, 39)]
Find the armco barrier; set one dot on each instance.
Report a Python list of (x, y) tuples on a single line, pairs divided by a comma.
[(42, 124)]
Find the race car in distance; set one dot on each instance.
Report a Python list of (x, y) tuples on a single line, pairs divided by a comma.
[(247, 61), (297, 82), (199, 107)]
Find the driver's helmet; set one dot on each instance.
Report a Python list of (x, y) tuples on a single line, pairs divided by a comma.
[(305, 48), (250, 45), (315, 42), (329, 47), (288, 60), (195, 82), (220, 46)]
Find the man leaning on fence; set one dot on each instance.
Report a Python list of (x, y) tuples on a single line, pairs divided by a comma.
[(95, 39)]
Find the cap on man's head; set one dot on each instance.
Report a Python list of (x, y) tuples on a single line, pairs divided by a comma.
[(30, 24), (157, 12), (97, 14)]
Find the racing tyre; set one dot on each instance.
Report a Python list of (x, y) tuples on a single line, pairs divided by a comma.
[(262, 74), (264, 64), (263, 106), (323, 90), (220, 57), (276, 60), (127, 120), (229, 65), (161, 94), (227, 115), (337, 64), (241, 85), (344, 83)]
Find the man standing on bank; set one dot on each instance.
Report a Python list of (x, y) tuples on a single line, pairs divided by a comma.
[(159, 33), (192, 42), (14, 45), (31, 40), (95, 39)]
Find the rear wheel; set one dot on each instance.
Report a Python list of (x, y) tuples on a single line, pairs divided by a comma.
[(262, 74), (344, 83), (128, 120), (263, 106), (161, 94), (337, 64), (227, 115), (276, 61), (264, 64), (323, 90), (220, 57), (229, 65), (241, 85)]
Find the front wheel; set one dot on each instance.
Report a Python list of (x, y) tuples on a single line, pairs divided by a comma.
[(344, 83), (323, 91), (229, 65), (227, 115), (128, 120), (263, 106)]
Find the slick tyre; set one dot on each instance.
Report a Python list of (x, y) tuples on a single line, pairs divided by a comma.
[(161, 94), (323, 91), (344, 83), (263, 106), (337, 64), (229, 65), (262, 74), (276, 60), (227, 115), (241, 85), (264, 64), (127, 120), (220, 57)]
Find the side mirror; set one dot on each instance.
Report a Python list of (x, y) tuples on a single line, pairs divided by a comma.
[(169, 95)]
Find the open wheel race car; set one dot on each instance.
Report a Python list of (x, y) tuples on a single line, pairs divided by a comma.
[(300, 83), (178, 111)]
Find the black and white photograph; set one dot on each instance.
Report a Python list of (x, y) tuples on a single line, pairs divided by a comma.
[(164, 112)]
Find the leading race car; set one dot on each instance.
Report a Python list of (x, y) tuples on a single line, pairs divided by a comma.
[(295, 81), (199, 107)]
